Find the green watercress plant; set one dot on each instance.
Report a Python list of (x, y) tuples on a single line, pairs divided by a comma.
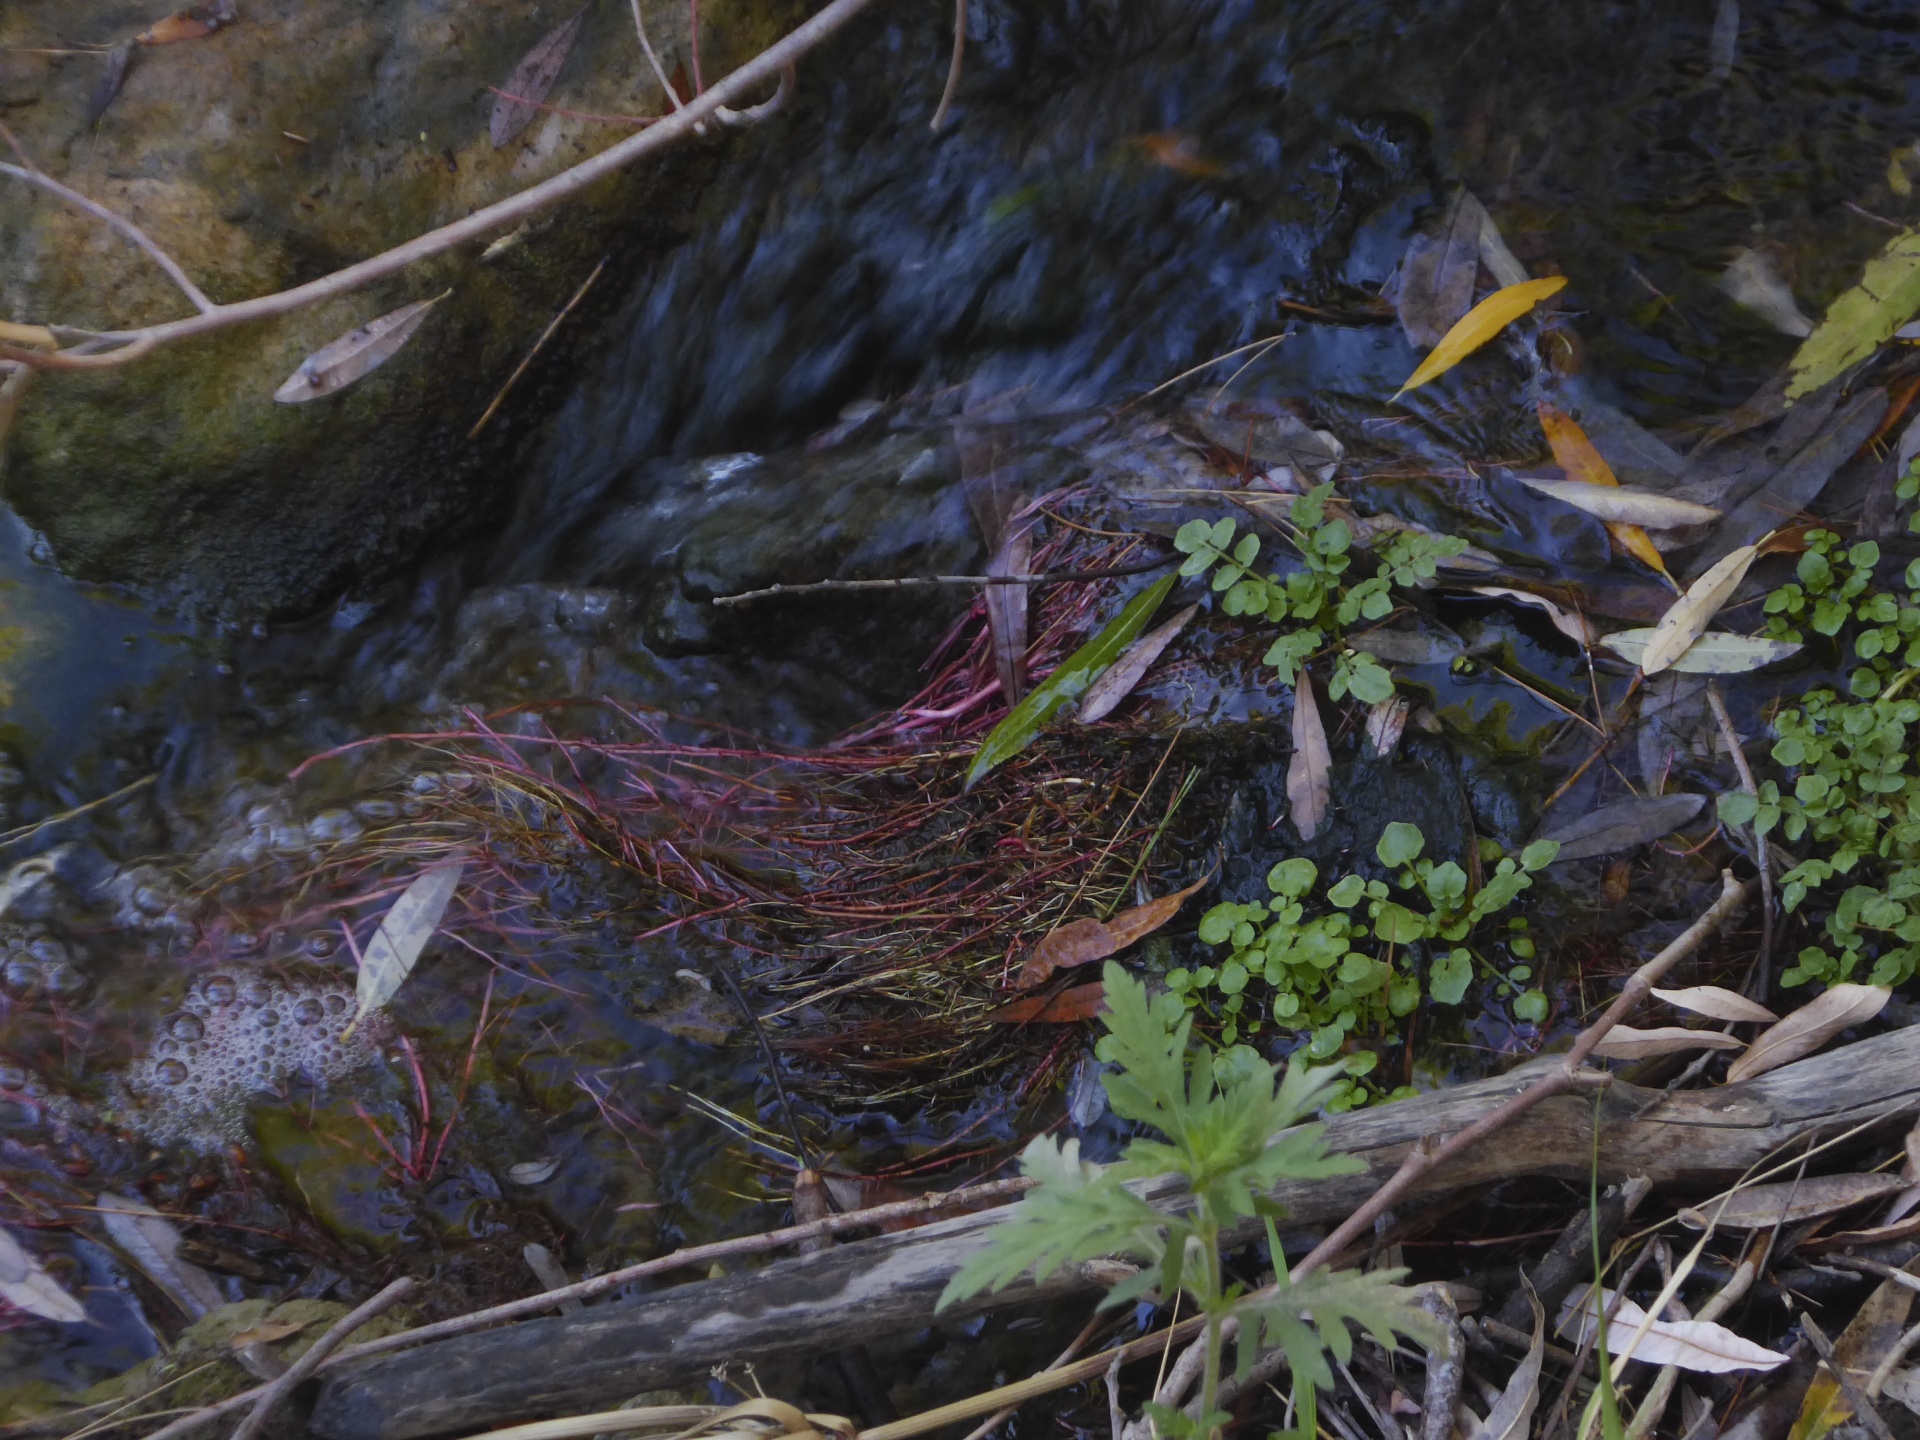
[(1354, 965), (1232, 1134)]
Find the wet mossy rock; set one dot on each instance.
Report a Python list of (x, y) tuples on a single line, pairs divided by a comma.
[(178, 474)]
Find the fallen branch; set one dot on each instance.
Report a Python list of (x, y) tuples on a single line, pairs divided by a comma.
[(770, 64), (905, 582), (120, 223), (885, 1287), (298, 1373)]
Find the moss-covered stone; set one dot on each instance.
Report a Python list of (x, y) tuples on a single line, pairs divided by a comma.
[(308, 135)]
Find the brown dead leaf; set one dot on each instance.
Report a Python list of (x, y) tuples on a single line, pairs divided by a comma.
[(1081, 942), (1437, 274), (1623, 1042), (1310, 771), (1791, 1201), (1810, 1027), (1117, 683), (1082, 1002), (1574, 453), (340, 362), (194, 24), (530, 81), (1385, 724)]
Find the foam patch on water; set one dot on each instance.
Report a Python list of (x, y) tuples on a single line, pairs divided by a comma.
[(238, 1033)]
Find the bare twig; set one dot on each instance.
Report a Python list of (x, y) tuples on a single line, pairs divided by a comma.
[(538, 346), (953, 66), (1763, 971), (766, 109), (1864, 1409), (737, 87), (906, 582), (119, 222), (301, 1369), (674, 101)]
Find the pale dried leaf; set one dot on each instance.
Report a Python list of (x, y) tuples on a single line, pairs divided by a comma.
[(1385, 722), (1810, 1027), (530, 81), (1081, 942), (1699, 1345), (1904, 1386), (1512, 1413), (1623, 824), (1624, 1042), (339, 363), (1754, 282), (1714, 652), (1790, 1201), (1620, 505), (1716, 1003), (1111, 688), (1569, 624), (1310, 770), (1903, 1205), (1007, 613), (25, 1285), (1690, 615), (150, 1240), (532, 1172), (404, 931)]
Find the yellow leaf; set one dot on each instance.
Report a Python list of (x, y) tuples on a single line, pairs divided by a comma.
[(37, 336), (1481, 324), (1573, 452)]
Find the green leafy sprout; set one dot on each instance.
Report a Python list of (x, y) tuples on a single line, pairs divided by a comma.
[(1353, 966), (1847, 790), (1232, 1133), (1317, 600)]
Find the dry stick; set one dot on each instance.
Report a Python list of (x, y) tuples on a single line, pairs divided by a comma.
[(1423, 1158), (1142, 567), (674, 101), (613, 1279), (538, 346), (1613, 733), (953, 66), (297, 1373), (737, 87), (1000, 1417), (1763, 972), (119, 222), (1863, 1408)]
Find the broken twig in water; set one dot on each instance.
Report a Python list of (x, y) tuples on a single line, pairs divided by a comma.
[(538, 345), (1057, 577)]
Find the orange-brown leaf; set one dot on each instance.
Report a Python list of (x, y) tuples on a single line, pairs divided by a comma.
[(1082, 1002), (1081, 942), (1574, 453), (192, 24)]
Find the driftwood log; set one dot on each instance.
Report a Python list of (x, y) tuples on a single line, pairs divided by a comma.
[(887, 1285)]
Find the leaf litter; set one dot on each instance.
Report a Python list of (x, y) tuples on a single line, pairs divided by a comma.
[(359, 352), (527, 87)]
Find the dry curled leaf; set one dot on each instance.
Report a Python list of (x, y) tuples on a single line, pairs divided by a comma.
[(266, 1332), (1569, 624), (1007, 612), (1687, 619), (1111, 688), (530, 81), (1624, 1042), (150, 1240), (1714, 652), (194, 24), (1481, 324), (1385, 724), (533, 1172), (339, 363), (404, 931), (1623, 824), (1310, 770), (1758, 1207), (1699, 1345), (1081, 1002), (1619, 505), (26, 1285), (1716, 1003), (1081, 942), (1810, 1027)]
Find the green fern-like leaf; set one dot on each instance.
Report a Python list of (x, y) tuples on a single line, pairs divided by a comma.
[(1313, 1316)]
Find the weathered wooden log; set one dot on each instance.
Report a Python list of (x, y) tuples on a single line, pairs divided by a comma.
[(887, 1285)]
